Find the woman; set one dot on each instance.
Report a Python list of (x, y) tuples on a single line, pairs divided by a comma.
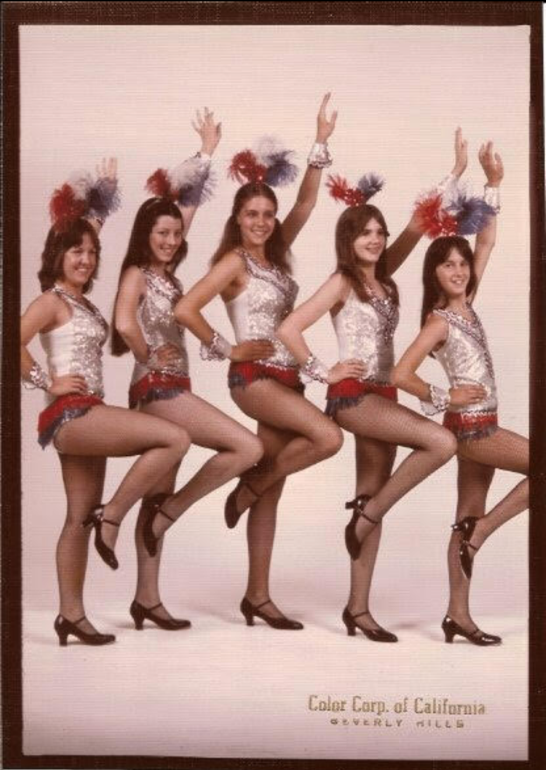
[(251, 272), (362, 299), (81, 427), (452, 333), (160, 386)]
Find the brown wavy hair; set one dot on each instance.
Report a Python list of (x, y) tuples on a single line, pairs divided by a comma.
[(56, 246), (349, 226), (437, 253), (140, 254), (276, 250)]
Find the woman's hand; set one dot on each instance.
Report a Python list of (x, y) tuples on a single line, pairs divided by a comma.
[(209, 131), (252, 350), (68, 383), (164, 356), (465, 395), (107, 170), (325, 126), (492, 164), (353, 368), (461, 154)]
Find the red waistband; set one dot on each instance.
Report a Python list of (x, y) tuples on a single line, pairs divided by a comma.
[(157, 386), (351, 388), (243, 373)]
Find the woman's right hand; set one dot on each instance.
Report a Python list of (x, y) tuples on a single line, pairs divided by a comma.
[(353, 369), (465, 395), (164, 356), (325, 125), (68, 383), (461, 154), (252, 350)]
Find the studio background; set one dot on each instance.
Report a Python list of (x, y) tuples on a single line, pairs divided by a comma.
[(131, 92)]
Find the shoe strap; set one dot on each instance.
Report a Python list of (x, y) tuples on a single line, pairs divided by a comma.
[(476, 631), (109, 521), (248, 486), (366, 612), (75, 622), (356, 502), (259, 606), (150, 609), (166, 515)]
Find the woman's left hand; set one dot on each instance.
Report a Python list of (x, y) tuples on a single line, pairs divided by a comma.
[(491, 162), (325, 126), (461, 154), (107, 170), (209, 131)]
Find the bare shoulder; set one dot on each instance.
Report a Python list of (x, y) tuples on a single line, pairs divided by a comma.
[(133, 277)]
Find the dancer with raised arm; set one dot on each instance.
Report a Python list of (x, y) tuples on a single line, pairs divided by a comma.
[(453, 334), (251, 271)]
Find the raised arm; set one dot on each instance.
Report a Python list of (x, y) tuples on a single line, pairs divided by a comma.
[(308, 192), (401, 248), (210, 133), (43, 314), (491, 163), (230, 269), (291, 330), (404, 374)]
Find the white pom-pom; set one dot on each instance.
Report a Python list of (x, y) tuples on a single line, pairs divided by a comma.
[(81, 182), (266, 147)]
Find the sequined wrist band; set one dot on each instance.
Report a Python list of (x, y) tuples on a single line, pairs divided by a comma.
[(313, 369), (440, 399), (491, 196), (319, 156), (38, 378), (218, 349)]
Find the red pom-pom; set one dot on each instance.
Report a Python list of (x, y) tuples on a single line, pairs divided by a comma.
[(245, 168), (65, 208), (159, 185), (340, 191), (432, 219)]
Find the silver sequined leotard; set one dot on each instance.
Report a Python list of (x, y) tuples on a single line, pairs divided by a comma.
[(466, 360), (365, 331), (258, 311), (156, 320), (76, 346)]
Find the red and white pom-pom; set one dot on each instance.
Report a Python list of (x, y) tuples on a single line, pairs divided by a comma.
[(159, 185), (432, 218), (245, 167), (65, 208), (340, 191)]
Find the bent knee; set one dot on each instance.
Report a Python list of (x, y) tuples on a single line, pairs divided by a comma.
[(252, 451), (178, 440), (444, 444), (330, 441)]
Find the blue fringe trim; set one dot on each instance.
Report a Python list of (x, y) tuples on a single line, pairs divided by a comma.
[(48, 435), (343, 402), (473, 435), (158, 394)]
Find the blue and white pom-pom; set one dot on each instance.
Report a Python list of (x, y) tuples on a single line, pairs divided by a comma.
[(370, 184), (270, 153)]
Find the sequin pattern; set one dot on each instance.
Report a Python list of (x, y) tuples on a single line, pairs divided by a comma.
[(466, 359), (76, 347), (365, 331), (158, 325), (270, 295)]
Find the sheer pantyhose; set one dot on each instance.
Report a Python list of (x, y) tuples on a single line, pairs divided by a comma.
[(477, 462), (83, 445), (295, 435)]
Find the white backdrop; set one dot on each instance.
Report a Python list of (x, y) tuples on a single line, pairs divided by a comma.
[(131, 92)]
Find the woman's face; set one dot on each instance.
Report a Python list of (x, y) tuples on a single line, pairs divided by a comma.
[(371, 242), (165, 239), (257, 221), (80, 263), (453, 275)]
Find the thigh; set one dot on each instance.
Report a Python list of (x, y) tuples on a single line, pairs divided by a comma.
[(380, 418), (504, 449), (83, 479), (206, 425), (374, 462), (111, 431), (280, 407), (473, 482), (273, 439)]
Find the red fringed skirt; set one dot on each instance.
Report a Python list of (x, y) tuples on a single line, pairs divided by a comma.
[(244, 373), (469, 426), (62, 410), (157, 386), (350, 392)]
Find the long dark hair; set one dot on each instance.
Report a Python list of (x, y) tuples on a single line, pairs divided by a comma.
[(56, 246), (349, 226), (275, 247), (140, 254), (437, 253)]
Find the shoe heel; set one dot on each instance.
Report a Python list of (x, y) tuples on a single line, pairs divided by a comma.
[(449, 636), (249, 618), (351, 627), (61, 632), (138, 617), (449, 630)]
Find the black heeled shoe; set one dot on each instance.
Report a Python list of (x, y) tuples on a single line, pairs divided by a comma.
[(375, 634), (231, 514), (139, 613), (352, 543), (96, 519), (64, 627), (153, 506), (250, 612), (466, 527), (451, 628)]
